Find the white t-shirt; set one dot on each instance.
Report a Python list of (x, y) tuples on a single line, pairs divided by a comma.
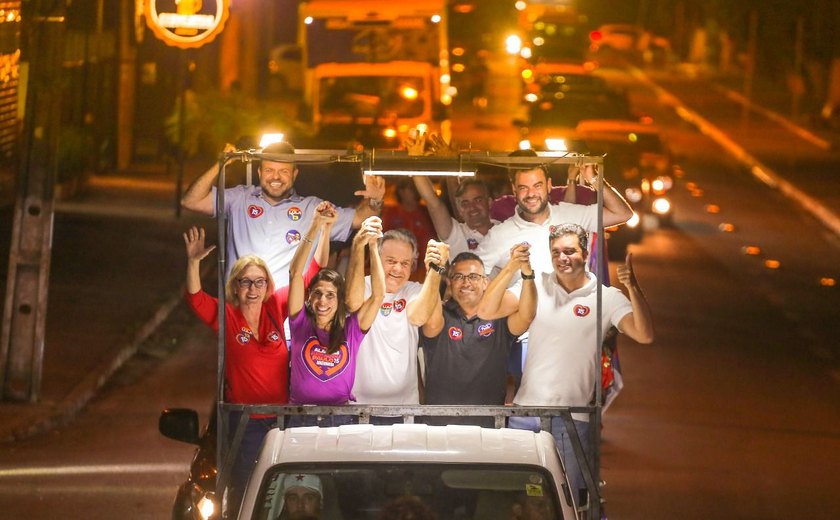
[(494, 250), (386, 367), (463, 238), (561, 369)]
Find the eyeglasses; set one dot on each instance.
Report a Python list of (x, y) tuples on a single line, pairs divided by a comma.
[(245, 283), (473, 277)]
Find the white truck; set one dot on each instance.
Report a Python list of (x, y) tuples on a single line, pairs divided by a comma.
[(363, 471), (373, 69)]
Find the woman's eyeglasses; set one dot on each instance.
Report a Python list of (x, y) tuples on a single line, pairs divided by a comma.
[(245, 283)]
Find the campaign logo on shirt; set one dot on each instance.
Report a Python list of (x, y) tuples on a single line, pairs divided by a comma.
[(274, 336), (320, 363), (485, 330), (244, 336), (399, 305), (385, 309), (455, 334), (472, 244), (294, 213), (255, 211), (581, 310), (293, 236)]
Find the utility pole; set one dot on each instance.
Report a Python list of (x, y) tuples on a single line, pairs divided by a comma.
[(25, 311)]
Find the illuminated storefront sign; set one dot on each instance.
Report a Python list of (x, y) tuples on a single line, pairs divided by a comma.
[(186, 23)]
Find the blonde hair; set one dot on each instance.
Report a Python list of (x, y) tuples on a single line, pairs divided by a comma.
[(242, 263)]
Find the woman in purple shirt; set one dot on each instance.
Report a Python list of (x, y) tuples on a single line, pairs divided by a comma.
[(325, 339)]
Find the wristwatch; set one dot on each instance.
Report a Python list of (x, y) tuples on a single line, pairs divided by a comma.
[(531, 276), (438, 268)]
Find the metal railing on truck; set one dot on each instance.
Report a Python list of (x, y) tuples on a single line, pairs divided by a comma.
[(395, 163)]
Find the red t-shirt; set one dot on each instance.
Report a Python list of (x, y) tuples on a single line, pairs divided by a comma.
[(256, 370)]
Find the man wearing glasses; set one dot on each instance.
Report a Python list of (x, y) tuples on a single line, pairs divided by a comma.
[(466, 354)]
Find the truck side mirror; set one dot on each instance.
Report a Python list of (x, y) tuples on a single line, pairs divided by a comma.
[(180, 424)]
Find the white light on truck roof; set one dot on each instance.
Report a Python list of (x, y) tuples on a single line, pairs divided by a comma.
[(409, 173), (268, 139)]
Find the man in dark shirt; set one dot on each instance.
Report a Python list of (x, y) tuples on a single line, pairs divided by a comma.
[(466, 355)]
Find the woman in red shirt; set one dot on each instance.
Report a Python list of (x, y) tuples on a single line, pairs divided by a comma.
[(256, 355)]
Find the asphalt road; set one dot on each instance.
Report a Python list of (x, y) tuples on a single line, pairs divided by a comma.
[(732, 413)]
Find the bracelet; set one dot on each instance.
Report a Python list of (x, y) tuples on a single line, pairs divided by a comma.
[(531, 276), (305, 239)]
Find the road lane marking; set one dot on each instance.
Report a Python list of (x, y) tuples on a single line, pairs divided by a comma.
[(756, 167), (101, 469), (804, 133)]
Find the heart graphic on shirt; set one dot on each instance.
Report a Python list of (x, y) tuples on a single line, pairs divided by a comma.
[(581, 310), (254, 211), (320, 363), (399, 305)]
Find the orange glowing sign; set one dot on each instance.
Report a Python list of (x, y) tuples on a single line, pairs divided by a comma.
[(186, 23)]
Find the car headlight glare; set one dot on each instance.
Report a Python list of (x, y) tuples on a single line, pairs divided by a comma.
[(634, 220), (661, 206), (207, 506), (525, 144), (633, 195)]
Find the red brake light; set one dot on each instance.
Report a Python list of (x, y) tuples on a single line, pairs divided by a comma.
[(595, 36)]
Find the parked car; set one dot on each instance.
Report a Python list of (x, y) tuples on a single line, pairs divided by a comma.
[(613, 44)]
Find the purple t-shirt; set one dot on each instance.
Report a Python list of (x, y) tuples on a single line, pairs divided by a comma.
[(318, 377)]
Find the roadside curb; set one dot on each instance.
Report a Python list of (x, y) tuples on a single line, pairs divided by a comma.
[(758, 169), (87, 389)]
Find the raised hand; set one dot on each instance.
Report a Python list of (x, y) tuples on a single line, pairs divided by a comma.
[(520, 257), (625, 272), (415, 143), (439, 147), (194, 240), (374, 188), (436, 253), (325, 213), (370, 231)]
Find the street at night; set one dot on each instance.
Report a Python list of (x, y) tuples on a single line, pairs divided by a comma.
[(733, 412)]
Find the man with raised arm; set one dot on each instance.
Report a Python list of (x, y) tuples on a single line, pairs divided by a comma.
[(269, 220), (387, 370), (562, 368), (466, 353), (535, 217)]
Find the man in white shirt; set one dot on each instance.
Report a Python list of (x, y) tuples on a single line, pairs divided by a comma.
[(386, 367), (562, 368), (472, 203), (535, 217)]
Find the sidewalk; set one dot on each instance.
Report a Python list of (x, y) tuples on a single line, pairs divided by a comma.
[(116, 274)]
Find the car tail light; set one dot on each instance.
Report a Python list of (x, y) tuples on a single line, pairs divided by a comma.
[(596, 36)]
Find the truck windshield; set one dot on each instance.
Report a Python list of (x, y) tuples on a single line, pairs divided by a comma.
[(372, 96), (443, 491)]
